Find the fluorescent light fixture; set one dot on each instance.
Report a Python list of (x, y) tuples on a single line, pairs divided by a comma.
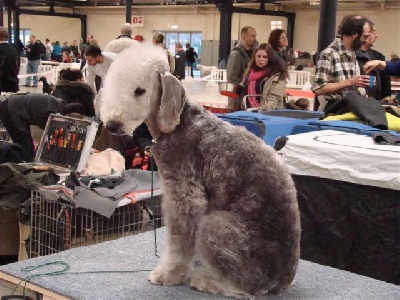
[(174, 26)]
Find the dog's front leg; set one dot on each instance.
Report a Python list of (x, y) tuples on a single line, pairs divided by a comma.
[(174, 266), (181, 218)]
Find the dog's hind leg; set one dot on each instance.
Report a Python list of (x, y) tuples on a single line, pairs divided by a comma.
[(221, 241), (201, 280), (208, 279)]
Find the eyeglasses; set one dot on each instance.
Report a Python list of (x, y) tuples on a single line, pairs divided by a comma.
[(262, 56)]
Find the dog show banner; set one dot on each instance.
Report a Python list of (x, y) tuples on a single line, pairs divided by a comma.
[(137, 21)]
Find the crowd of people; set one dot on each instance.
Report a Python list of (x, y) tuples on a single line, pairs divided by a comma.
[(259, 72), (73, 93)]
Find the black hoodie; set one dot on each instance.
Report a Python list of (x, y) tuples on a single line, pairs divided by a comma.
[(76, 92)]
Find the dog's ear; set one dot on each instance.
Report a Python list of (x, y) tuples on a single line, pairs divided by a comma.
[(172, 101)]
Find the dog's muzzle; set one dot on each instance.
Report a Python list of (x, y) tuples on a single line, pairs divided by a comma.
[(115, 127)]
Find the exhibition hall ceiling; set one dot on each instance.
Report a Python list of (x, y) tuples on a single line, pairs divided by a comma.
[(277, 5)]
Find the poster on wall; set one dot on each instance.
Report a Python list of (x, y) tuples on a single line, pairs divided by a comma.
[(137, 21)]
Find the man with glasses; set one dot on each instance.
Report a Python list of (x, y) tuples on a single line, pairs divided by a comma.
[(382, 87), (338, 72)]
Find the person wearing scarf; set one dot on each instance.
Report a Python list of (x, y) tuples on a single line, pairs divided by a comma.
[(265, 76)]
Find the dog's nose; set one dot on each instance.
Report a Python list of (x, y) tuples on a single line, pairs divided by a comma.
[(114, 127)]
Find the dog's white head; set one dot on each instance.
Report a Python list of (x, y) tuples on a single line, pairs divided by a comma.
[(138, 87)]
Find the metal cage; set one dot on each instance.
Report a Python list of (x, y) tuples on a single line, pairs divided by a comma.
[(59, 225), (4, 134)]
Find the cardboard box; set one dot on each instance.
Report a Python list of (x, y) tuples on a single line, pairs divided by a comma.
[(9, 232)]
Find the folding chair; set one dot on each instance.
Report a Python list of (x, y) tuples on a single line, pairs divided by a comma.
[(245, 102)]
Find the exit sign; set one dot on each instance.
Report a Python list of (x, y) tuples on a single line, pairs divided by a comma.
[(137, 21)]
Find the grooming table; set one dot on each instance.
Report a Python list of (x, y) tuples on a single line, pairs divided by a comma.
[(348, 189), (270, 125), (136, 252)]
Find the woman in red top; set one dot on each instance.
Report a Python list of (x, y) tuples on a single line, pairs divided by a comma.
[(66, 58)]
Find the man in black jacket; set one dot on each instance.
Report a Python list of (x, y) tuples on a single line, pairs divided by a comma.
[(19, 111), (191, 56), (9, 64), (33, 54), (180, 62), (382, 86)]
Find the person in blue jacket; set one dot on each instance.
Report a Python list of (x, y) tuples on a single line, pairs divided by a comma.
[(391, 68), (57, 51)]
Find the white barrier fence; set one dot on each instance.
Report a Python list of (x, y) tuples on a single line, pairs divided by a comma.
[(299, 80), (216, 77), (296, 80), (51, 72)]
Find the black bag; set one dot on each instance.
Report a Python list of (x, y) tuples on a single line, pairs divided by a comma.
[(11, 152), (369, 110)]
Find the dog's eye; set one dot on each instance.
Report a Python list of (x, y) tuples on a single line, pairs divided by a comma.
[(139, 91)]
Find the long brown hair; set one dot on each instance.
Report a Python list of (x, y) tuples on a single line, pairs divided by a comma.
[(274, 38), (275, 63)]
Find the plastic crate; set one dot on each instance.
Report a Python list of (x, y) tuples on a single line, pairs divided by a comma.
[(59, 225)]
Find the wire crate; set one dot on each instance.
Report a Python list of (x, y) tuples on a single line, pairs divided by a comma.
[(59, 225), (3, 134)]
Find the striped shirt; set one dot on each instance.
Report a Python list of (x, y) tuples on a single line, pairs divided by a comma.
[(335, 64)]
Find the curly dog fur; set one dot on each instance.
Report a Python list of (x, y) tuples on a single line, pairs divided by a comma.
[(229, 202)]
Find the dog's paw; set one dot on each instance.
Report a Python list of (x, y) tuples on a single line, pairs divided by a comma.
[(161, 277), (204, 283), (157, 276)]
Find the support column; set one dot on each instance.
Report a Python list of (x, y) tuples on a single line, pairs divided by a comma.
[(290, 29), (226, 10), (327, 29), (1, 13), (83, 27), (327, 24), (9, 22), (129, 11), (16, 27)]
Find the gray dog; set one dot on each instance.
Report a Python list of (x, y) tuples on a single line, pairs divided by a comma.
[(229, 202)]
